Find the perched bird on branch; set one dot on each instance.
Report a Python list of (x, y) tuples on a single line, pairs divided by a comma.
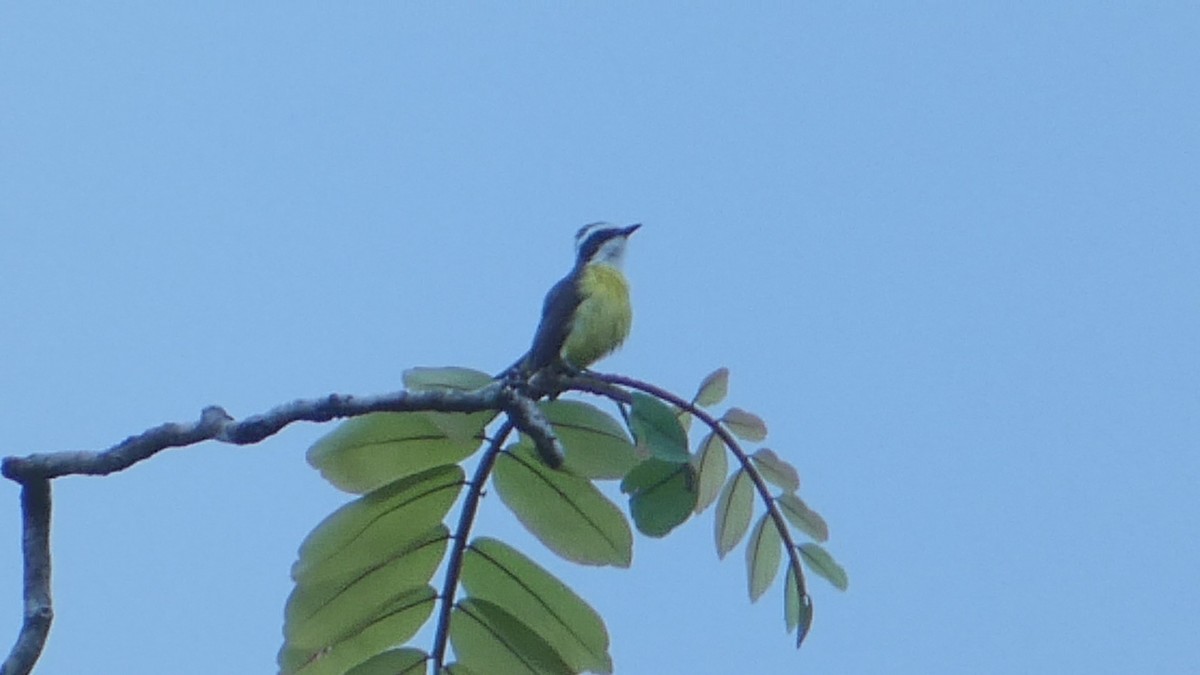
[(587, 314)]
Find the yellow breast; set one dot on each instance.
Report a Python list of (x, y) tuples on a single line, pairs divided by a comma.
[(602, 319)]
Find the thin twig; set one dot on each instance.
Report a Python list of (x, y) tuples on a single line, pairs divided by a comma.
[(466, 519), (593, 383)]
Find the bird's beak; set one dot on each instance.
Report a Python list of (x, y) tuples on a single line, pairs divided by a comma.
[(631, 229)]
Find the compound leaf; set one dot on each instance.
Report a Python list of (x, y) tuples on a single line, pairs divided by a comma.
[(596, 445), (369, 530), (819, 561), (763, 552), (406, 661), (488, 639), (713, 467), (498, 573), (662, 495), (566, 512), (734, 509), (366, 452), (657, 429), (393, 622), (775, 470), (746, 426), (448, 377), (797, 607), (317, 612), (713, 388), (803, 518)]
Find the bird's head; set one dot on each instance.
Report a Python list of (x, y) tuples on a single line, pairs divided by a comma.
[(602, 243)]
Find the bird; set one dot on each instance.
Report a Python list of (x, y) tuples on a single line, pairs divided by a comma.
[(587, 314)]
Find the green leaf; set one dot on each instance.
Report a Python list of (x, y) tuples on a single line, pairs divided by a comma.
[(366, 452), (567, 513), (734, 508), (763, 553), (797, 606), (449, 377), (819, 561), (498, 573), (406, 661), (488, 639), (596, 444), (791, 599), (369, 529), (662, 495), (803, 518), (390, 624), (685, 419), (456, 669), (657, 429), (317, 613), (713, 467), (713, 388), (775, 470), (466, 429), (462, 427), (744, 425)]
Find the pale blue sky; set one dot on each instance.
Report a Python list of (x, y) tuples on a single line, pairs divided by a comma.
[(950, 252)]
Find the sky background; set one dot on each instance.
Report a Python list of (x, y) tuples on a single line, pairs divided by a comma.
[(949, 251)]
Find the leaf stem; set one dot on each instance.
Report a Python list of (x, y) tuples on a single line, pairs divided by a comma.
[(742, 456), (465, 520)]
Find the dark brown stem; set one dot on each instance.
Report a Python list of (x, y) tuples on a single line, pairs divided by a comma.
[(465, 520)]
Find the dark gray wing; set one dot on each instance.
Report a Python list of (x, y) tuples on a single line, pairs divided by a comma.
[(558, 310)]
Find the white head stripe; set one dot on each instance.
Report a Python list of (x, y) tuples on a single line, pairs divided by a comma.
[(586, 232)]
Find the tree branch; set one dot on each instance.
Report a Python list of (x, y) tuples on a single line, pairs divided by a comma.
[(34, 472), (594, 383), (35, 544), (517, 400), (215, 424), (529, 420)]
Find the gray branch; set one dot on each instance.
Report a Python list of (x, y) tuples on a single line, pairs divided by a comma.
[(34, 472), (215, 424), (35, 546), (527, 417)]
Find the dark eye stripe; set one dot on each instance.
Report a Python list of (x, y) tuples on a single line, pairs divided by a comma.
[(593, 243)]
